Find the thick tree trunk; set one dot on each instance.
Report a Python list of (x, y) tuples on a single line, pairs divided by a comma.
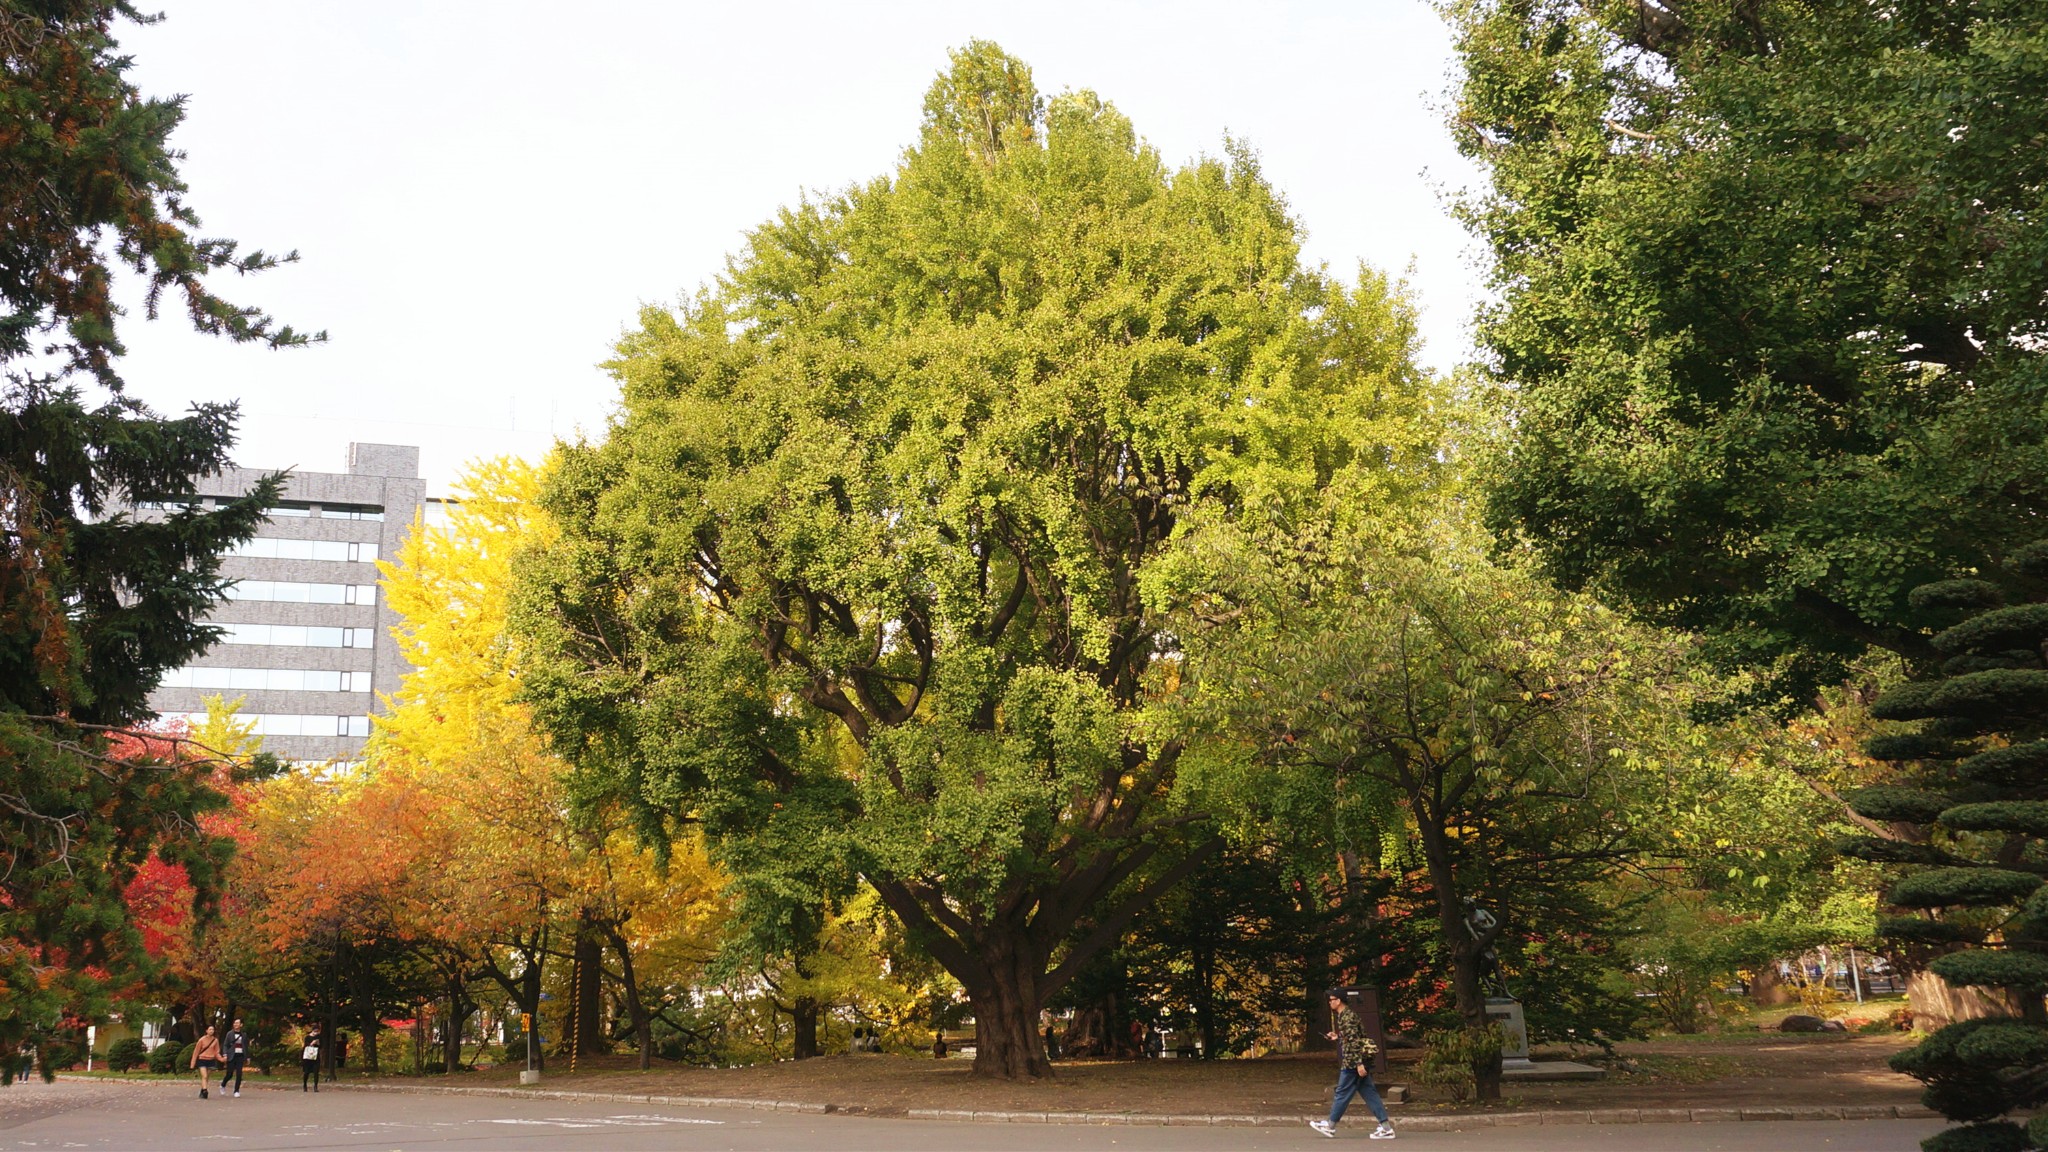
[(1007, 1042), (586, 997), (330, 1036), (804, 1028), (371, 1026), (1315, 1018), (643, 1025), (1467, 986), (529, 1004), (460, 1008), (1003, 964), (1767, 988), (419, 1038)]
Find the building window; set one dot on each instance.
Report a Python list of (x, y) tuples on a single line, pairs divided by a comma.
[(299, 592), (266, 679), (285, 724), (298, 636), (351, 512), (275, 548)]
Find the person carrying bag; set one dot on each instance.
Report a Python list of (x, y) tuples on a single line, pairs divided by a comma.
[(206, 1057), (309, 1062)]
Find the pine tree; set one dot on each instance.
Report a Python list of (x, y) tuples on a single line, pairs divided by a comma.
[(1978, 782), (95, 606)]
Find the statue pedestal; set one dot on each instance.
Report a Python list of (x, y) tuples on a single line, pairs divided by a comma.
[(1514, 1032), (1514, 1048)]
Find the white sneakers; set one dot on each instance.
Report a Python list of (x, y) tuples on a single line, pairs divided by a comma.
[(1383, 1132)]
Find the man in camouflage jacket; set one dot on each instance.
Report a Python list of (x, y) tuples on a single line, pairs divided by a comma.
[(1355, 1051)]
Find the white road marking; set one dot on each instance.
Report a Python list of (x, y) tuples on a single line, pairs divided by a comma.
[(626, 1121)]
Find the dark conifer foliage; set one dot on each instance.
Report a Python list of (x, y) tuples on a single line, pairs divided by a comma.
[(95, 606), (1979, 785)]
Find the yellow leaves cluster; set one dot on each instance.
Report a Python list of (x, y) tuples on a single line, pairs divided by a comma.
[(460, 746)]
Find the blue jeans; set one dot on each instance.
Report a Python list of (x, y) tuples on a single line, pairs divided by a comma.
[(1349, 1084)]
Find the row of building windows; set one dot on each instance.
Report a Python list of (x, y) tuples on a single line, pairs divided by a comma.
[(294, 635), (325, 511), (268, 679), (300, 592), (278, 724), (288, 508), (274, 548)]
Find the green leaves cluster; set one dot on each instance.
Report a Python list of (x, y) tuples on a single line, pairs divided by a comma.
[(95, 606), (855, 572), (1974, 803), (1769, 276)]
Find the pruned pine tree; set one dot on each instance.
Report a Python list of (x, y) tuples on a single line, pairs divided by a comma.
[(1978, 782)]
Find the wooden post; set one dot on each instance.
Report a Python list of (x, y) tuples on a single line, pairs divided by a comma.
[(575, 996)]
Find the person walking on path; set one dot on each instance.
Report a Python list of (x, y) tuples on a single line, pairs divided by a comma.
[(309, 1061), (206, 1057), (1355, 1051), (236, 1047)]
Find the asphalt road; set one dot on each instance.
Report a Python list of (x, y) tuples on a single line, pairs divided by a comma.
[(167, 1118)]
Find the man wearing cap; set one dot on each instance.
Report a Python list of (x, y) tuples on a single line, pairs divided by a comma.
[(1355, 1051)]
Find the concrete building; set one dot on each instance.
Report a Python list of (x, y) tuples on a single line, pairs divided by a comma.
[(308, 644)]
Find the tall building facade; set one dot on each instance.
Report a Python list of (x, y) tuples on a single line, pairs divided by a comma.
[(308, 645)]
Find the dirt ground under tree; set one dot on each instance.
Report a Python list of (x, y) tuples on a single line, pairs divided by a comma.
[(1759, 1070)]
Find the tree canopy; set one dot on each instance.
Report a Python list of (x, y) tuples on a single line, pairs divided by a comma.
[(1769, 279), (94, 605), (853, 579)]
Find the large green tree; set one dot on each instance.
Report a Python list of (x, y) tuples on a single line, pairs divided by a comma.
[(853, 578), (1770, 277), (95, 606), (1419, 702)]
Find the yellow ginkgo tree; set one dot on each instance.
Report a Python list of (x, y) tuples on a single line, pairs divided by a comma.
[(525, 862)]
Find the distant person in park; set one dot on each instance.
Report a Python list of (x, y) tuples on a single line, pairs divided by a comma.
[(938, 1045), (206, 1057), (236, 1049), (1355, 1051), (309, 1061)]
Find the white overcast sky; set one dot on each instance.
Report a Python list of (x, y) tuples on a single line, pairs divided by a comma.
[(483, 195)]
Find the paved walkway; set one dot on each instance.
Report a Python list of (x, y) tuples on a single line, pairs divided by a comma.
[(157, 1117)]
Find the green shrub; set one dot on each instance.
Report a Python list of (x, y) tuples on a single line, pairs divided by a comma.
[(1973, 595), (1913, 930), (1912, 746), (1998, 1136), (2028, 816), (2018, 765), (2020, 626), (1969, 887), (2003, 694), (1449, 1056), (268, 1056), (1993, 969), (168, 1057), (127, 1053), (1890, 802)]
